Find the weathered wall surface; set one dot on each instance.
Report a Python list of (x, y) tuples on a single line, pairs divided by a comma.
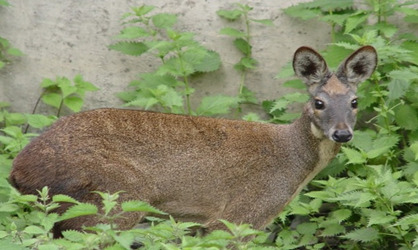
[(66, 38)]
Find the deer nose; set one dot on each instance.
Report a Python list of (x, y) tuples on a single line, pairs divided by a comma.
[(342, 136)]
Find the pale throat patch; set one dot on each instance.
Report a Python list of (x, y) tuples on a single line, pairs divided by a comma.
[(316, 131)]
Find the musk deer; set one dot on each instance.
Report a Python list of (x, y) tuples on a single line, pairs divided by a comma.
[(197, 168)]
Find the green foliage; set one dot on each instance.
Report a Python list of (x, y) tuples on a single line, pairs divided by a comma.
[(242, 41), (6, 49), (62, 92), (181, 57), (370, 199)]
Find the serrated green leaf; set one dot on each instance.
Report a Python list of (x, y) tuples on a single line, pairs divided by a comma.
[(363, 235), (163, 20), (210, 62), (34, 230), (78, 210), (130, 48), (73, 235), (143, 10), (140, 206), (132, 32), (230, 14), (214, 105), (64, 198), (406, 117), (307, 228), (83, 86), (354, 21), (52, 99), (414, 149), (410, 220), (341, 214), (74, 103), (232, 32), (46, 82), (332, 229), (296, 84), (243, 46), (354, 156), (377, 217), (8, 208), (40, 121), (302, 13), (266, 22), (246, 63), (14, 52)]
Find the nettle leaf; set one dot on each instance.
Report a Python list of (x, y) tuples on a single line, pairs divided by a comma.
[(214, 105), (354, 21), (132, 32), (80, 209), (73, 235), (243, 46), (52, 99), (163, 20), (266, 22), (83, 86), (74, 103), (377, 217), (230, 14), (140, 206), (64, 198), (40, 121), (246, 63), (410, 220), (341, 214), (130, 48), (143, 10), (210, 62), (414, 149), (232, 32), (406, 117), (363, 235), (302, 13), (354, 156), (34, 230), (14, 52)]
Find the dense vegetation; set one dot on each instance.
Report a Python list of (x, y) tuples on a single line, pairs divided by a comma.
[(366, 199)]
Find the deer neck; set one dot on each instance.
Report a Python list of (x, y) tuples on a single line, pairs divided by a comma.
[(313, 147)]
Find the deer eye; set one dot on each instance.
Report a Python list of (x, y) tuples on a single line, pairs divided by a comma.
[(354, 103), (319, 104)]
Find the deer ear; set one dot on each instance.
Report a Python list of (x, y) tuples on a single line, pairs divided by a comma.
[(309, 65), (358, 66)]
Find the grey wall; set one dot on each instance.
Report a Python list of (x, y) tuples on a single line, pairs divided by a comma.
[(67, 38)]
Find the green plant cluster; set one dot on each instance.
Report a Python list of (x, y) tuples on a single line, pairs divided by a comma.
[(242, 41), (365, 199), (169, 86), (6, 49)]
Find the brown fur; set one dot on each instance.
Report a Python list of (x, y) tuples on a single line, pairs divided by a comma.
[(195, 168)]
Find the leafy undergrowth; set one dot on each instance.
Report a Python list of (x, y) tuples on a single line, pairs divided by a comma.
[(365, 199)]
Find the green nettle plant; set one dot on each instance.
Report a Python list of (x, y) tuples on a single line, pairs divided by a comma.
[(366, 199), (6, 49), (368, 196), (169, 86), (242, 41)]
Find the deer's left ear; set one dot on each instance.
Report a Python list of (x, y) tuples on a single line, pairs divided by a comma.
[(358, 66)]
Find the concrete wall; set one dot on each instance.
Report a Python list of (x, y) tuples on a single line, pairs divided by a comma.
[(66, 38)]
